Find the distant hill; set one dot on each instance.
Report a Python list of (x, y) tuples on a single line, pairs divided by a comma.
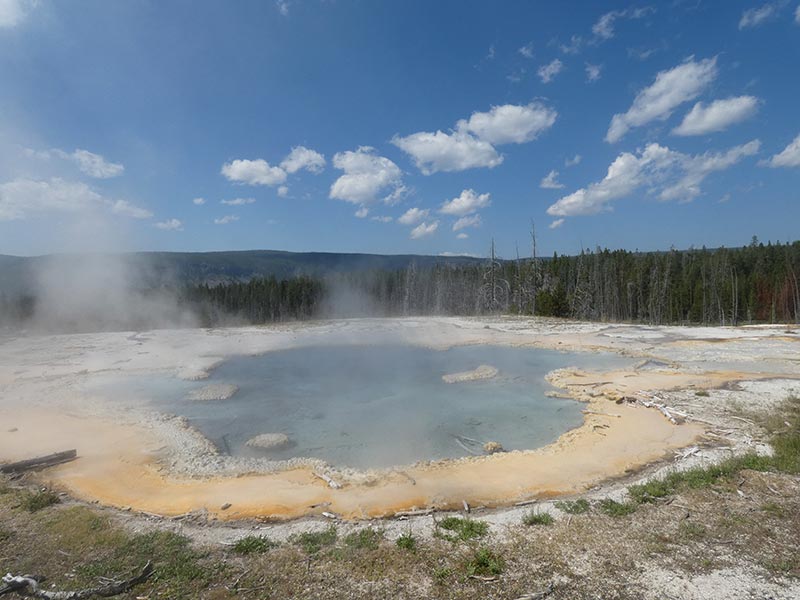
[(18, 274)]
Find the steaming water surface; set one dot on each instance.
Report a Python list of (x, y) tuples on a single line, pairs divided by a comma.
[(376, 406)]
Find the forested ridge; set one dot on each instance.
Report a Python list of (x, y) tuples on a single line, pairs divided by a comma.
[(757, 283), (754, 284)]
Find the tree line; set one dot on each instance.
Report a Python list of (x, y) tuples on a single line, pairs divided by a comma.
[(757, 283)]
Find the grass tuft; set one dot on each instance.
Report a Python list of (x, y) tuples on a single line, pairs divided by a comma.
[(616, 509), (538, 518), (485, 563), (364, 539), (407, 541), (253, 544), (313, 541), (40, 500), (463, 529)]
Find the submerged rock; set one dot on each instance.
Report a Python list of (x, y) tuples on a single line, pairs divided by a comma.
[(482, 372), (217, 391), (493, 447), (269, 441)]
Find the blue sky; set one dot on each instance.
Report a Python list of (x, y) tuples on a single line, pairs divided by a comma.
[(397, 127)]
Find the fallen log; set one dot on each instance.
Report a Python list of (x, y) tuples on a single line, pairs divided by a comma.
[(331, 483), (39, 462), (539, 595), (28, 586)]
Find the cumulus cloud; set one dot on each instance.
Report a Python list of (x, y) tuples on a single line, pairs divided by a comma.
[(283, 191), (439, 151), (13, 12), (797, 15), (510, 123), (788, 157), (556, 224), (226, 219), (238, 201), (668, 174), (671, 88), (25, 198), (170, 225), (574, 46), (198, 201), (382, 219), (717, 116), (468, 221), (413, 215), (571, 162), (593, 72), (283, 6), (362, 213), (126, 209), (303, 158), (753, 17), (550, 181), (253, 172), (366, 176), (472, 143), (550, 70), (462, 236), (465, 204), (424, 229), (95, 165)]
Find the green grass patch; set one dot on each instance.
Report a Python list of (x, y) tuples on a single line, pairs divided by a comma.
[(538, 518), (462, 529), (485, 563), (574, 507), (5, 535), (253, 544), (616, 509), (40, 500), (407, 542), (313, 541), (364, 539), (692, 531)]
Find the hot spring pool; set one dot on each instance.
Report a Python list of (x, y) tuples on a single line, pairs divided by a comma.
[(380, 405)]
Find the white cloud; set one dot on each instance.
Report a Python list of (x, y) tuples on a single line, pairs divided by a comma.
[(424, 229), (382, 219), (788, 157), (510, 123), (550, 70), (226, 219), (170, 225), (283, 6), (603, 29), (797, 15), (716, 116), (550, 181), (413, 215), (670, 89), (669, 174), (467, 203), (238, 201), (125, 208), (24, 198), (283, 191), (439, 151), (754, 17), (362, 212), (13, 12), (574, 46), (253, 172), (526, 50), (462, 236), (468, 221), (471, 143), (198, 201), (366, 176), (556, 224), (593, 72), (571, 162), (95, 165), (303, 158)]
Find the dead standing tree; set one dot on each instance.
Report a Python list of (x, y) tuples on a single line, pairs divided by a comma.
[(496, 290)]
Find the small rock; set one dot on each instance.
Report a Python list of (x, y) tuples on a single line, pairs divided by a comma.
[(493, 447), (269, 441), (225, 506), (12, 430)]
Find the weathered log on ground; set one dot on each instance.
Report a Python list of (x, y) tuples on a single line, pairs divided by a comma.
[(39, 462), (28, 586)]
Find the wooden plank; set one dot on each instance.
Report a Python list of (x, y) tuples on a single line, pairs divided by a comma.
[(39, 462)]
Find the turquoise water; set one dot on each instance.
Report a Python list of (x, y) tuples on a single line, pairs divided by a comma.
[(376, 406)]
